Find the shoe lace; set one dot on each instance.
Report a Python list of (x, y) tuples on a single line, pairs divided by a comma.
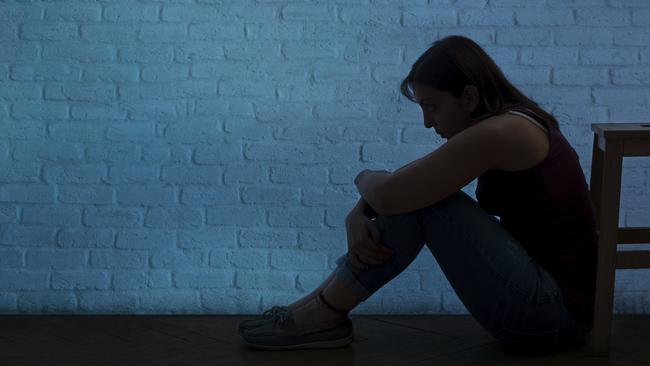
[(282, 315), (272, 311)]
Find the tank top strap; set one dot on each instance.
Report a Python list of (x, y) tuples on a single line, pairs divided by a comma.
[(531, 115)]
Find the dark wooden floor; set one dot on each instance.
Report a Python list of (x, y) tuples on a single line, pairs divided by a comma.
[(213, 340)]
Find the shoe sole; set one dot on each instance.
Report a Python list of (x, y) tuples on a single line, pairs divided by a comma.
[(335, 343)]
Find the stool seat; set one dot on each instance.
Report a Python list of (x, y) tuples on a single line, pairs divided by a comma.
[(612, 142)]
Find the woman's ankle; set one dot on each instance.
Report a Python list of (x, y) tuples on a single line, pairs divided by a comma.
[(295, 305), (305, 299), (331, 307)]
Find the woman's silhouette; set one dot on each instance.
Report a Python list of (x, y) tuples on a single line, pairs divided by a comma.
[(527, 278)]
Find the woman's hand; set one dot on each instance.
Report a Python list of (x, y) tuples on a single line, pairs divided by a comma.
[(364, 242)]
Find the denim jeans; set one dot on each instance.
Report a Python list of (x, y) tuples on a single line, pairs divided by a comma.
[(508, 293)]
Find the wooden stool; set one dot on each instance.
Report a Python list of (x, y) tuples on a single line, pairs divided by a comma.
[(613, 141)]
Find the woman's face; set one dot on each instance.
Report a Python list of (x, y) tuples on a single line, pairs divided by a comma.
[(447, 114)]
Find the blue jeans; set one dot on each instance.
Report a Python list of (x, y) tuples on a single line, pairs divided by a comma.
[(508, 293)]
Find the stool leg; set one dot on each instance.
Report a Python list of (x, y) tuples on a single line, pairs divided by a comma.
[(595, 184), (609, 200)]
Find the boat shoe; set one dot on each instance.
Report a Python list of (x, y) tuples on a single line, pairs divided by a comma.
[(245, 325), (281, 332)]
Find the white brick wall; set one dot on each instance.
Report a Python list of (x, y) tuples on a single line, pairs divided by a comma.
[(182, 156)]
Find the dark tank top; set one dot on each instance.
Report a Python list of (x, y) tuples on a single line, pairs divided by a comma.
[(547, 208)]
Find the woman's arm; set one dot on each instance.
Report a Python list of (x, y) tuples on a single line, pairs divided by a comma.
[(416, 160), (367, 182), (370, 184)]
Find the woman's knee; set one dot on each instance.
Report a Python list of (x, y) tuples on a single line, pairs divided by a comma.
[(402, 232), (397, 223)]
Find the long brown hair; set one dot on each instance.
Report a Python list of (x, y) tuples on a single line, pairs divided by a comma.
[(453, 62)]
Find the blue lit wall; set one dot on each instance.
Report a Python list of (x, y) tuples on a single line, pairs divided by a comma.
[(198, 156)]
